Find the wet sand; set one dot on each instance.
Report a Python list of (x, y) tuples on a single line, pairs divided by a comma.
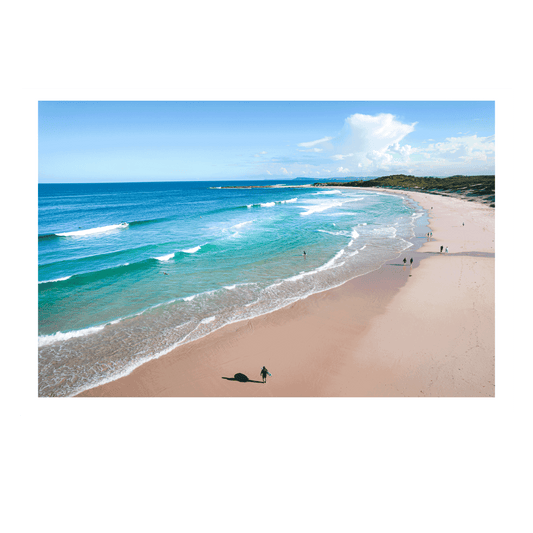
[(398, 331)]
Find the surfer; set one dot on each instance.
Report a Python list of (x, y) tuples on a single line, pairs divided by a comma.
[(265, 373)]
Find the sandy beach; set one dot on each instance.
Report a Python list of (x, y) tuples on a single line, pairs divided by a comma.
[(425, 330)]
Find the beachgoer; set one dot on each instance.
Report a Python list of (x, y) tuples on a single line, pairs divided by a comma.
[(404, 260), (411, 261), (441, 249), (265, 373), (305, 255), (446, 249)]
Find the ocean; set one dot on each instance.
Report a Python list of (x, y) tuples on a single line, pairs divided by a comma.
[(129, 271)]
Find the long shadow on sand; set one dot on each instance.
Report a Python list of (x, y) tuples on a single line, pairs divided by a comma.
[(242, 378)]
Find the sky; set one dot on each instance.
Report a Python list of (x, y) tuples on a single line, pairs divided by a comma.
[(83, 142)]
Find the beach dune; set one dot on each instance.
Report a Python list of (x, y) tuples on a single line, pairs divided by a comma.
[(425, 330)]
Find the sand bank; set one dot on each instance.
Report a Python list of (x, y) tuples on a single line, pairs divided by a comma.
[(398, 331)]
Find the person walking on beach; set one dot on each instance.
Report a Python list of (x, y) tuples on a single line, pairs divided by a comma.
[(411, 261), (305, 255), (446, 249), (265, 373), (441, 249), (404, 260)]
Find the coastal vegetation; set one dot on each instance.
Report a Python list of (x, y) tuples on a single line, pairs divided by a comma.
[(476, 188)]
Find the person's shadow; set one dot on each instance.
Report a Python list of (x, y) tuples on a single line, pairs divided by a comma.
[(242, 378)]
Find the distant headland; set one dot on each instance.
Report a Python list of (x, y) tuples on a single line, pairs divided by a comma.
[(472, 188)]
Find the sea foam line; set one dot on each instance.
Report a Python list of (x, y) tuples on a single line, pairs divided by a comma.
[(45, 340), (165, 257), (54, 280), (192, 250), (91, 231), (336, 233), (242, 224)]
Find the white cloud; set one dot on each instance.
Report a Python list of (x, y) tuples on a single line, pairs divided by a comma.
[(269, 173), (340, 157), (468, 148), (379, 158), (376, 144), (312, 143), (370, 141), (362, 134), (285, 171)]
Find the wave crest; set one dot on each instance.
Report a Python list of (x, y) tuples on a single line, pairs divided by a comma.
[(102, 229)]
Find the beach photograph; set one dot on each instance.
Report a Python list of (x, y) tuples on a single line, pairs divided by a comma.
[(267, 248)]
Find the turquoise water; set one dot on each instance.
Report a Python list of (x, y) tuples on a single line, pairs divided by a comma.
[(129, 271)]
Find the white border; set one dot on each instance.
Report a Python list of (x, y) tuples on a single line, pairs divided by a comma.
[(504, 403)]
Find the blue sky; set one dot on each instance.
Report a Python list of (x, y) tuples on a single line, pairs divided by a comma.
[(217, 140)]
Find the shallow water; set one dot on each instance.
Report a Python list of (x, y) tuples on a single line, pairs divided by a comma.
[(127, 272)]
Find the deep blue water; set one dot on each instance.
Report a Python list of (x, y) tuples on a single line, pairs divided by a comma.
[(128, 271)]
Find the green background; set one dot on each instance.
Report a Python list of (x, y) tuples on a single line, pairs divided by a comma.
[(259, 475)]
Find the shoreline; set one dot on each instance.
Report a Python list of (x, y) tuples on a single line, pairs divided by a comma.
[(332, 343)]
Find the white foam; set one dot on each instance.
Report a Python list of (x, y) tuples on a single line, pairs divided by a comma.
[(189, 298), (318, 208), (292, 200), (268, 204), (242, 224), (389, 231), (165, 257), (328, 192), (191, 250), (45, 340), (91, 231), (230, 287), (301, 275), (54, 280), (337, 233), (207, 320), (331, 262)]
